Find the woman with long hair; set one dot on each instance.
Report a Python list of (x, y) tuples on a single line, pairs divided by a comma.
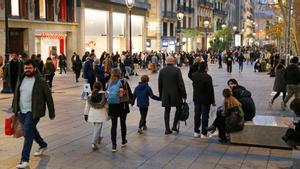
[(119, 96), (49, 71), (279, 84)]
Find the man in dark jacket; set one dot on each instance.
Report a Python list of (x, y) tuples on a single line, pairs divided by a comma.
[(229, 61), (14, 71), (241, 59), (203, 97), (194, 67), (31, 97), (88, 71), (171, 91), (292, 78), (243, 96)]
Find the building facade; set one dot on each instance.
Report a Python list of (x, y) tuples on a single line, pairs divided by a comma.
[(104, 26), (46, 27)]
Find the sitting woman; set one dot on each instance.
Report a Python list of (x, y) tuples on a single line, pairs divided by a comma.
[(224, 121), (292, 135)]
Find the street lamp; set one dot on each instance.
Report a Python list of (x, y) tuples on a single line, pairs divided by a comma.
[(130, 4), (180, 16), (234, 28), (223, 26), (206, 24)]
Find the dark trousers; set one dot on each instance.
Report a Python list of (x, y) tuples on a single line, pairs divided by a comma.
[(143, 112), (229, 68), (278, 94), (220, 64), (167, 118), (114, 125), (219, 123), (62, 68), (241, 66), (91, 82), (77, 73), (201, 110), (49, 78), (30, 133)]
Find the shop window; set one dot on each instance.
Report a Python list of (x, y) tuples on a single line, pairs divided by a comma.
[(172, 29), (165, 29)]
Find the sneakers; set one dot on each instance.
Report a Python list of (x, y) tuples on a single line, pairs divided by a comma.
[(196, 135), (94, 147), (124, 143), (40, 151), (140, 131), (114, 148), (175, 130), (23, 164), (211, 129)]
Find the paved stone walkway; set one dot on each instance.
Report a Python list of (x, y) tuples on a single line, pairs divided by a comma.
[(69, 136)]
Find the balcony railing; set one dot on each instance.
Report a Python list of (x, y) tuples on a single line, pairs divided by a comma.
[(206, 3), (170, 15), (221, 12), (187, 9)]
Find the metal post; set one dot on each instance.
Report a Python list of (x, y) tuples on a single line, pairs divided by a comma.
[(6, 27), (206, 38), (130, 40), (289, 28)]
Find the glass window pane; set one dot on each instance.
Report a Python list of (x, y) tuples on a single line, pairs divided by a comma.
[(137, 25), (42, 9), (15, 7), (118, 24)]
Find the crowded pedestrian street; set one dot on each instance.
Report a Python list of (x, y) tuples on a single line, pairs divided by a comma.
[(68, 135)]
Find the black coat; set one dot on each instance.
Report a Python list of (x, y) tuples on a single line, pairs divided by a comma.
[(171, 86), (279, 84), (248, 105), (292, 74), (193, 69), (203, 88)]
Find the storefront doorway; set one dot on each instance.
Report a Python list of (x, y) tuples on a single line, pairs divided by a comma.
[(16, 40)]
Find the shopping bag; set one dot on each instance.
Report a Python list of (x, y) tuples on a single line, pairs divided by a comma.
[(85, 90), (17, 127), (8, 126)]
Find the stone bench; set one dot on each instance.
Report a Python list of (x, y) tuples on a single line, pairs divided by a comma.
[(296, 159), (263, 131)]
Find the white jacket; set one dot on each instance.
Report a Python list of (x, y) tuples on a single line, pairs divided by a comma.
[(95, 115)]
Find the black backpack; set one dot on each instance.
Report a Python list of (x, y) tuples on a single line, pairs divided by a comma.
[(184, 112), (234, 121)]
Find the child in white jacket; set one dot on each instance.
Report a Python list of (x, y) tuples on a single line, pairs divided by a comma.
[(95, 112)]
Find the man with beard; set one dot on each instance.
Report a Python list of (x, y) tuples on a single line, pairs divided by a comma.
[(30, 99)]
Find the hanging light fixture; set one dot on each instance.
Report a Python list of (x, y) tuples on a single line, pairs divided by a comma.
[(129, 3)]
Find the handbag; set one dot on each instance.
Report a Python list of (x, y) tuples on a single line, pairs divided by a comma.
[(8, 126), (17, 127), (123, 92), (234, 121)]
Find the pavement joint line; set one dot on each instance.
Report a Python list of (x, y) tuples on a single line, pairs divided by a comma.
[(245, 156)]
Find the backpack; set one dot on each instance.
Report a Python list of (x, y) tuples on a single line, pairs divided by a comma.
[(234, 122), (184, 112), (113, 93)]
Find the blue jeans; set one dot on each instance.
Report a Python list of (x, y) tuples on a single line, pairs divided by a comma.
[(201, 110), (128, 70), (241, 65), (30, 133)]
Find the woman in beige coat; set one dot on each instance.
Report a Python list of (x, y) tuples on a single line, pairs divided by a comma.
[(95, 112)]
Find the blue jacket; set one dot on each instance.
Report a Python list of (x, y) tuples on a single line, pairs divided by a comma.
[(88, 71), (142, 93)]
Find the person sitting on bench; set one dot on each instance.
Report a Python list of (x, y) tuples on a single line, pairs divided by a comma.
[(292, 135)]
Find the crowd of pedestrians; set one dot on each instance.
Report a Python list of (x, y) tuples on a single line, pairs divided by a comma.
[(111, 96)]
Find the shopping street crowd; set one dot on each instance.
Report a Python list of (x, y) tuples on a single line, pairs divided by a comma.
[(111, 95)]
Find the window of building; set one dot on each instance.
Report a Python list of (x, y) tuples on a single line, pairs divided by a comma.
[(184, 22), (190, 22), (166, 5), (42, 9), (172, 6), (15, 7), (172, 29), (66, 12), (165, 29)]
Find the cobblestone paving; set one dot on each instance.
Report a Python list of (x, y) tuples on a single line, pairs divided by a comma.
[(69, 136)]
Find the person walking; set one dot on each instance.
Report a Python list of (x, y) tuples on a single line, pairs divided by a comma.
[(229, 62), (142, 93), (14, 71), (292, 78), (30, 99), (127, 64), (171, 91), (49, 71), (94, 112), (203, 97), (119, 96), (88, 71), (77, 66), (194, 68), (62, 62), (241, 59), (279, 84), (39, 63)]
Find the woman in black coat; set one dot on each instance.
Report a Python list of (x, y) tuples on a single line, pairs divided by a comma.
[(279, 83), (77, 66)]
